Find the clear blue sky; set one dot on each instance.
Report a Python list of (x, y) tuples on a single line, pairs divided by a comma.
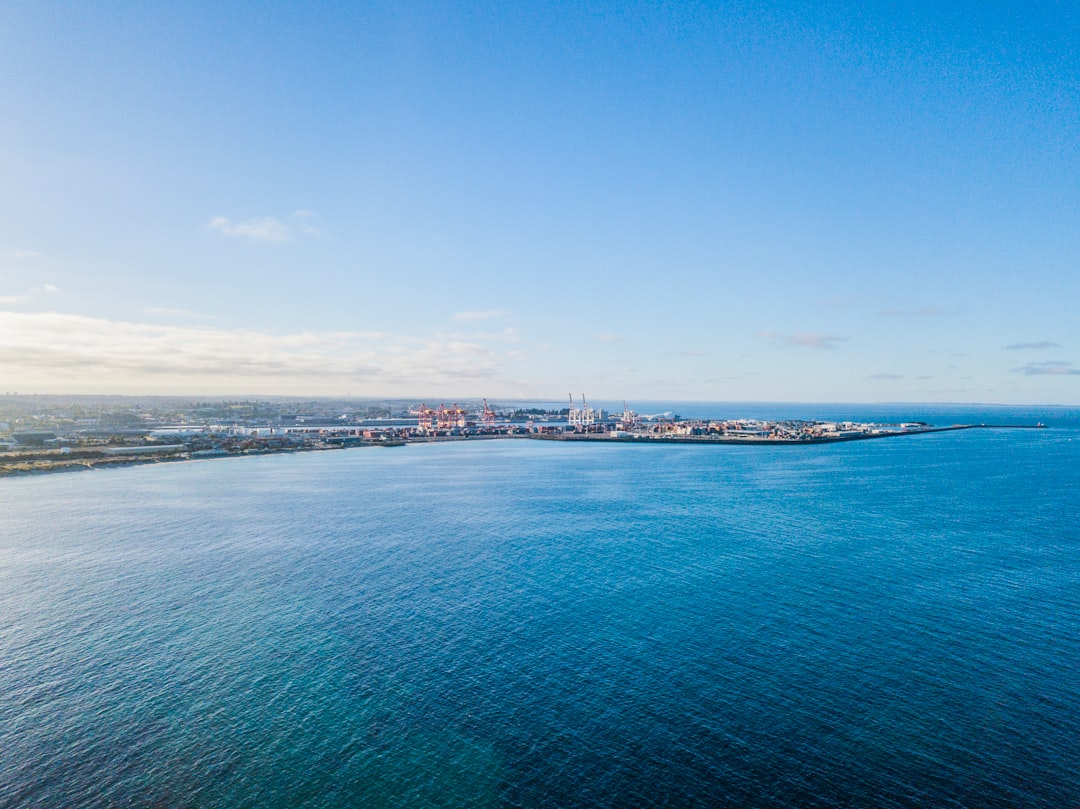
[(730, 201)]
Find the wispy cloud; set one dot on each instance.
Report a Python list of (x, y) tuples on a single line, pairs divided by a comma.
[(608, 337), (305, 222), (886, 376), (843, 302), (1038, 345), (20, 254), (88, 353), (824, 342), (175, 312), (259, 229), (918, 311), (693, 352), (507, 335), (30, 294), (1048, 368), (714, 380), (482, 314)]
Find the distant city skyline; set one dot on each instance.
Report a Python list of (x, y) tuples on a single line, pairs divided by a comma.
[(740, 202)]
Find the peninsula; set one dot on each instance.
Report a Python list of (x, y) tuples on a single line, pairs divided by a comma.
[(45, 434)]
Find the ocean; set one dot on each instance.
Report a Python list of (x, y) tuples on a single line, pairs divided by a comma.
[(888, 623)]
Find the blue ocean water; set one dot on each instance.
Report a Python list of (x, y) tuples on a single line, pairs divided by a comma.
[(513, 623)]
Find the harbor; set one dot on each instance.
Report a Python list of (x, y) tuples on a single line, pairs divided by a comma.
[(49, 439)]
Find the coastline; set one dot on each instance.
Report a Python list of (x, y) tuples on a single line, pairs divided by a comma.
[(24, 467)]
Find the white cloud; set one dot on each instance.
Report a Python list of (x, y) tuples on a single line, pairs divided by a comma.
[(260, 229), (57, 352), (484, 314), (608, 337), (823, 342), (51, 288), (10, 299)]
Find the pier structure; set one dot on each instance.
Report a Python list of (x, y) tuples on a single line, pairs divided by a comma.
[(430, 420), (487, 416), (629, 419), (425, 419), (583, 417)]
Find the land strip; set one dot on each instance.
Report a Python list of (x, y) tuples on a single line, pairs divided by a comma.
[(32, 463)]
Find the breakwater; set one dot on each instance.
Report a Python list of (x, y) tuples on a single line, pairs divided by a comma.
[(772, 441)]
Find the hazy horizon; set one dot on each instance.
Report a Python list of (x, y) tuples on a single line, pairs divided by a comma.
[(605, 402)]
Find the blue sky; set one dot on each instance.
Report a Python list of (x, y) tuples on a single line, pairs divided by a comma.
[(743, 201)]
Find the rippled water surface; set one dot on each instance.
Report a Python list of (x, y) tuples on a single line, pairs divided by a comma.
[(515, 623)]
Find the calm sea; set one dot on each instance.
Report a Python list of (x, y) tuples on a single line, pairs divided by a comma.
[(890, 623)]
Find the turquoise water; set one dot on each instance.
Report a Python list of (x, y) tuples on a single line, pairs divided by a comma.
[(890, 623)]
